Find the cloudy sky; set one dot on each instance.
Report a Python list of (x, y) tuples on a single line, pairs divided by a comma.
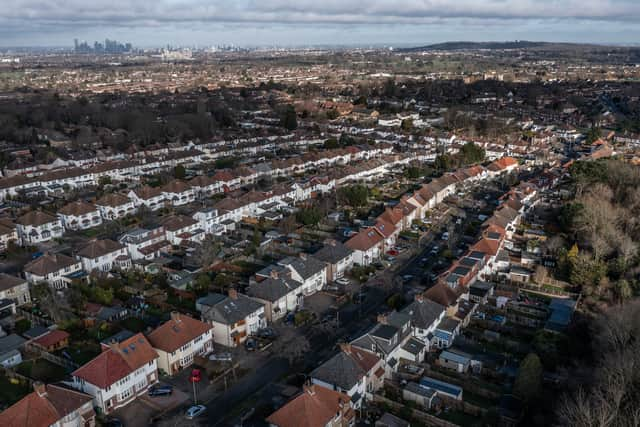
[(307, 22)]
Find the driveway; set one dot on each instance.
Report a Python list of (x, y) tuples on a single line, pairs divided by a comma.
[(144, 409)]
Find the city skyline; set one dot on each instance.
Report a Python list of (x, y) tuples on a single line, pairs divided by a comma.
[(276, 22)]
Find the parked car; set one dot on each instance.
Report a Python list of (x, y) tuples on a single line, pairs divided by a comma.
[(251, 344), (266, 333), (342, 281), (220, 357), (157, 390), (113, 422), (195, 411)]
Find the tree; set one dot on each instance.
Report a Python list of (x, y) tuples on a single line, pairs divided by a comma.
[(291, 344), (406, 125), (471, 153), (206, 253), (528, 384), (332, 114), (309, 216), (203, 282), (289, 119), (331, 143), (623, 290), (354, 195), (179, 172)]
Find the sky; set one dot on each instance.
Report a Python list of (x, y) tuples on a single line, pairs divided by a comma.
[(154, 23)]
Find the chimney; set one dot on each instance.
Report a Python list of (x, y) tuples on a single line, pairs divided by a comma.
[(419, 297), (114, 346), (382, 319), (40, 388), (332, 242), (308, 388), (345, 347), (233, 294), (175, 316), (303, 256), (274, 274)]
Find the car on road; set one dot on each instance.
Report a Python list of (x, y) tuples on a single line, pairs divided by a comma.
[(268, 333), (160, 390), (195, 411), (342, 281), (220, 357), (113, 422), (251, 344)]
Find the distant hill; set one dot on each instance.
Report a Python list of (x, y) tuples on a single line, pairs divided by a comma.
[(461, 45)]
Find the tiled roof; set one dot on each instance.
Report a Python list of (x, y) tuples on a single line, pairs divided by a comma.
[(8, 281), (77, 208), (315, 407), (98, 248), (36, 218), (43, 409), (365, 240), (176, 332), (113, 200), (52, 338), (117, 361), (48, 263)]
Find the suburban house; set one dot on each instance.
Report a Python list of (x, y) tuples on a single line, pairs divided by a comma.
[(178, 193), (55, 269), (50, 406), (37, 227), (179, 340), (367, 246), (118, 375), (353, 371), (8, 233), (316, 406), (425, 317), (15, 289), (279, 293), (337, 258), (79, 215), (150, 197), (103, 255), (308, 270), (181, 229), (115, 205), (234, 317), (145, 244)]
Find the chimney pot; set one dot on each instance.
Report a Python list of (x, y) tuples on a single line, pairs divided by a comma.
[(233, 294), (382, 319), (40, 388), (345, 347), (175, 316), (419, 297)]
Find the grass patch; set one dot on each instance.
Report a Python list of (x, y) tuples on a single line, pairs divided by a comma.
[(10, 393), (42, 370)]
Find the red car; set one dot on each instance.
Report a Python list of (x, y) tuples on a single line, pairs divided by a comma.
[(392, 252)]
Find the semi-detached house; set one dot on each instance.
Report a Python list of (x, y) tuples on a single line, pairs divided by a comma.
[(179, 340), (150, 197), (37, 227), (178, 193), (114, 206), (279, 293), (103, 255), (145, 244), (57, 270), (118, 375), (79, 215), (234, 317), (367, 246), (337, 258)]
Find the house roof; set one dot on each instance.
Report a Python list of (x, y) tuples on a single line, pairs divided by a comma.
[(176, 186), (146, 192), (113, 200), (48, 263), (117, 361), (8, 281), (365, 240), (36, 218), (272, 289), (78, 208), (314, 407), (424, 312), (227, 310), (306, 267), (52, 338), (177, 332), (443, 294), (44, 407), (333, 252), (98, 248)]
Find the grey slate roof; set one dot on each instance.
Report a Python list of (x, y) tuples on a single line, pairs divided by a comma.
[(341, 370), (228, 310), (420, 390), (273, 289), (423, 313), (414, 346), (333, 253), (11, 342), (306, 268)]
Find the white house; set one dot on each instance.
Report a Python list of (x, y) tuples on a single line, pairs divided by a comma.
[(119, 374), (55, 269), (367, 246), (145, 244), (152, 198), (179, 340), (180, 229), (337, 257), (425, 315), (279, 293), (178, 193), (79, 215), (234, 317), (14, 288), (103, 255), (114, 205), (311, 272), (37, 227)]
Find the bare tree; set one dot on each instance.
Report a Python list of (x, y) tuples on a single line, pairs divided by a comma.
[(291, 344)]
